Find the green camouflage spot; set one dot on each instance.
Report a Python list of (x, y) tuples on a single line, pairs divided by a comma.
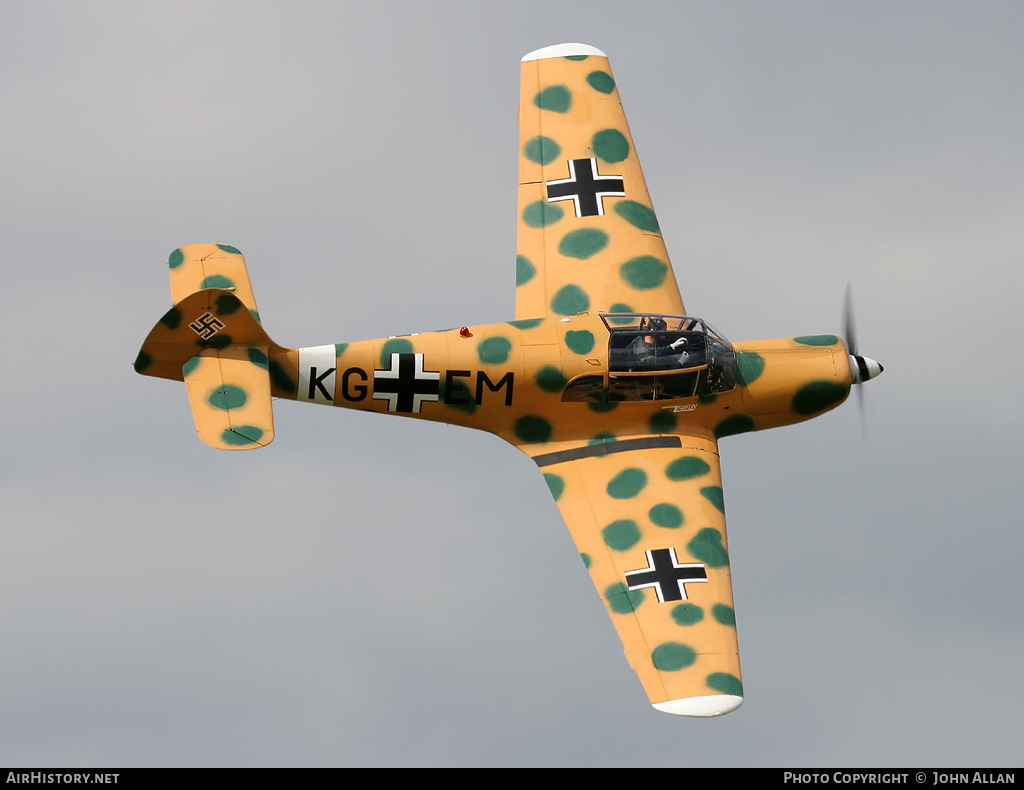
[(256, 315), (218, 341), (541, 213), (687, 468), (556, 99), (663, 422), (396, 345), (586, 559), (713, 494), (494, 350), (687, 614), (535, 430), (229, 248), (580, 342), (723, 614), (619, 307), (601, 408), (817, 340), (458, 397), (142, 361), (227, 304), (601, 81), (666, 515), (243, 434), (525, 270), (730, 426), (817, 395), (749, 367), (176, 259), (707, 399), (611, 145), (526, 323), (258, 358), (725, 683), (602, 438), (638, 214), (627, 484), (582, 244), (217, 281), (672, 656), (621, 599), (576, 57), (570, 300), (171, 318), (279, 378), (227, 397), (644, 273), (707, 547), (339, 349), (550, 379), (542, 150), (556, 485), (621, 535), (189, 366)]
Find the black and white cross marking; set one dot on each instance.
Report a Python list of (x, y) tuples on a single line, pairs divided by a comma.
[(666, 575), (206, 326), (586, 188), (406, 385)]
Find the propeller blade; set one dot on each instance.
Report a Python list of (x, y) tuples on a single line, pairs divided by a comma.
[(861, 368), (849, 330)]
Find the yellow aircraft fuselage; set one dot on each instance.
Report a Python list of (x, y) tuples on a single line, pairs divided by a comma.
[(542, 383)]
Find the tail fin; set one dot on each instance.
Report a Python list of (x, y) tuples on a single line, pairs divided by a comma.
[(212, 340)]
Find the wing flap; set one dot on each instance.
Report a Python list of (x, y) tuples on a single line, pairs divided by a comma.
[(650, 525)]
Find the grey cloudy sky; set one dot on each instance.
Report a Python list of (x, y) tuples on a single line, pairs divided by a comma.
[(370, 591)]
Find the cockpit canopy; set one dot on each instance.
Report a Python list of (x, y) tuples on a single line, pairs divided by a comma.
[(658, 357), (642, 342)]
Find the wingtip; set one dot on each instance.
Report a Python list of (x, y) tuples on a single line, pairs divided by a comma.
[(702, 707), (564, 51)]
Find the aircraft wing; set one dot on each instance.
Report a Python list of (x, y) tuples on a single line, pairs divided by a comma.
[(588, 238), (648, 518)]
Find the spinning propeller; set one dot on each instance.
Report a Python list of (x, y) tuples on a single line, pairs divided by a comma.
[(861, 368)]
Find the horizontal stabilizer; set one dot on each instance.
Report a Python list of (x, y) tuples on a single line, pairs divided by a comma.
[(197, 267), (229, 391)]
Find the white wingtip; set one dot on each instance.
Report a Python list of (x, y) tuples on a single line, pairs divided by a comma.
[(704, 707), (563, 51)]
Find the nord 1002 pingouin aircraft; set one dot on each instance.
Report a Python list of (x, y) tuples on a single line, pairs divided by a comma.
[(603, 379)]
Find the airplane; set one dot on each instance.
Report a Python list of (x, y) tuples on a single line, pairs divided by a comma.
[(603, 379)]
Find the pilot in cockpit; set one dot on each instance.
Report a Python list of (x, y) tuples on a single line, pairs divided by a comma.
[(653, 350)]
